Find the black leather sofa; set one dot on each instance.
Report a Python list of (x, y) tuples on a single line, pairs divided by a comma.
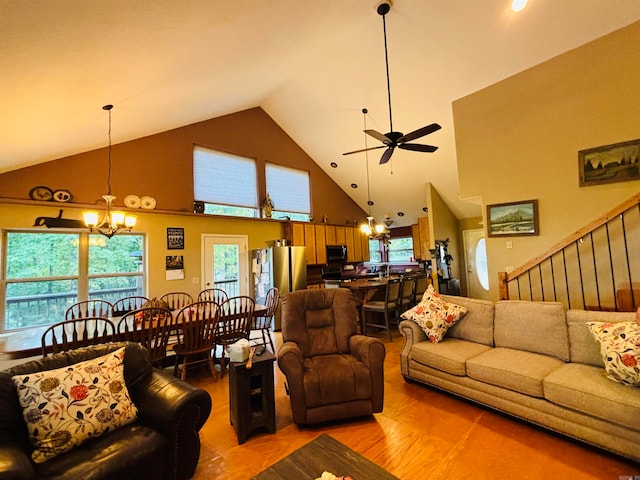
[(163, 443)]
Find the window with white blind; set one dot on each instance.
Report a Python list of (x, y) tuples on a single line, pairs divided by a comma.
[(288, 189), (226, 183)]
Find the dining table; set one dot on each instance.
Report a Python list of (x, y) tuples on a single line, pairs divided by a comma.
[(28, 342)]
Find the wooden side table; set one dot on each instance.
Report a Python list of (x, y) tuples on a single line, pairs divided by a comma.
[(251, 396)]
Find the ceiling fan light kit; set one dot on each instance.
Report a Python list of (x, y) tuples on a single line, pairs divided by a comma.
[(395, 139)]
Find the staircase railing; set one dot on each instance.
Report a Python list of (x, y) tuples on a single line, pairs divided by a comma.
[(596, 268)]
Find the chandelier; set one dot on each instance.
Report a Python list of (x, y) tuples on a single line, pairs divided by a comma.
[(113, 222), (371, 228)]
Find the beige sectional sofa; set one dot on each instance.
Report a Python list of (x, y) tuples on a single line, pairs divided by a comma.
[(535, 361)]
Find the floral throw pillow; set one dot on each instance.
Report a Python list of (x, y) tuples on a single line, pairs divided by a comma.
[(620, 349), (434, 315), (65, 407)]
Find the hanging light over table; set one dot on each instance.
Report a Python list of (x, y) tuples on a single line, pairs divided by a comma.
[(371, 229), (113, 222)]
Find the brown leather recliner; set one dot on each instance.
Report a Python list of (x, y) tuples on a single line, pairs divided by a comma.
[(332, 373), (163, 443)]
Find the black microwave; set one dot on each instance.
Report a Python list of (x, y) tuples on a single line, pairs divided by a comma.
[(336, 253)]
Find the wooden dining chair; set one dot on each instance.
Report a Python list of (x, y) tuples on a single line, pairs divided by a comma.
[(151, 327), (79, 332), (177, 300), (128, 304), (213, 295), (382, 308), (89, 308), (422, 282), (197, 326), (236, 315), (262, 324), (405, 300)]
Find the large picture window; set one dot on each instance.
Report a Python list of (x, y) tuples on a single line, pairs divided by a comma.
[(226, 183), (47, 272)]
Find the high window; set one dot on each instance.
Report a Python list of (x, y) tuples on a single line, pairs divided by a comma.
[(46, 272), (288, 189), (227, 184)]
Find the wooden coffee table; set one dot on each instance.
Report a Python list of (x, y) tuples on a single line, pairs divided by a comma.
[(320, 455)]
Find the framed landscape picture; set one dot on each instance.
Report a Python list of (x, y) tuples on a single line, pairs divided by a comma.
[(512, 219), (609, 164)]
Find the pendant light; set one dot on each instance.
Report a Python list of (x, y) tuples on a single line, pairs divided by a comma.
[(113, 222), (371, 229)]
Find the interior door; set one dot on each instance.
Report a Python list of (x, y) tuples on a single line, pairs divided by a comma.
[(475, 256), (226, 263)]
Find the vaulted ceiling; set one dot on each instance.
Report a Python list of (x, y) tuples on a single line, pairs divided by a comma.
[(311, 65)]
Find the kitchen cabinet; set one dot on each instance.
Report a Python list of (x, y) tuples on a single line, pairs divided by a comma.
[(316, 237), (421, 239)]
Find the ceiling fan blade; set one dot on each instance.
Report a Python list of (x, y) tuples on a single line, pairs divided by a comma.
[(378, 136), (365, 149), (421, 132), (416, 147), (386, 156)]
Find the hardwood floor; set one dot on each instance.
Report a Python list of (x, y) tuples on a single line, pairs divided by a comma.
[(422, 433)]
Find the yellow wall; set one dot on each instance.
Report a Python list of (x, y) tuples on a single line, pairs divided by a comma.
[(519, 139), (260, 234)]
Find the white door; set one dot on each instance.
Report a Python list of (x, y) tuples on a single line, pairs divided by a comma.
[(475, 256), (226, 263)]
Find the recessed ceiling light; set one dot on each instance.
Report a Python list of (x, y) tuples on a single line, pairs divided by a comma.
[(425, 209), (518, 5), (334, 165), (400, 214), (370, 202), (354, 185)]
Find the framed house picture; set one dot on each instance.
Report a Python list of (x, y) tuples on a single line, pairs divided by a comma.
[(609, 164), (513, 219), (175, 238)]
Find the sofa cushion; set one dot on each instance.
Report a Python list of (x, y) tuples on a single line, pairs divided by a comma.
[(65, 407), (434, 314), (131, 452), (322, 386), (516, 370), (582, 346), (477, 324), (450, 355), (620, 348), (586, 389), (537, 327)]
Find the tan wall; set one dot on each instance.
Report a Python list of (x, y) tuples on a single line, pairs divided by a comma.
[(162, 166), (519, 139), (154, 225)]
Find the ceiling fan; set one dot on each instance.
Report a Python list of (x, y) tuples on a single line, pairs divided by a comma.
[(393, 139)]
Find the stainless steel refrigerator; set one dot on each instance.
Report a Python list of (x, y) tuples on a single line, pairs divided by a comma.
[(282, 267)]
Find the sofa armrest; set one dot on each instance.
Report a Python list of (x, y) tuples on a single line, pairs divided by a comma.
[(291, 362), (15, 463), (178, 410), (371, 352), (412, 334)]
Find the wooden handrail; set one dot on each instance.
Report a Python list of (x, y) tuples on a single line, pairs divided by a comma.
[(504, 278), (574, 237)]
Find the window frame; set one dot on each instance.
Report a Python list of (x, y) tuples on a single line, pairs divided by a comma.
[(82, 277), (228, 208)]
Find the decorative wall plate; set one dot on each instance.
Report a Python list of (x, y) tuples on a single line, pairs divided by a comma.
[(41, 193), (148, 203), (132, 201), (62, 196)]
